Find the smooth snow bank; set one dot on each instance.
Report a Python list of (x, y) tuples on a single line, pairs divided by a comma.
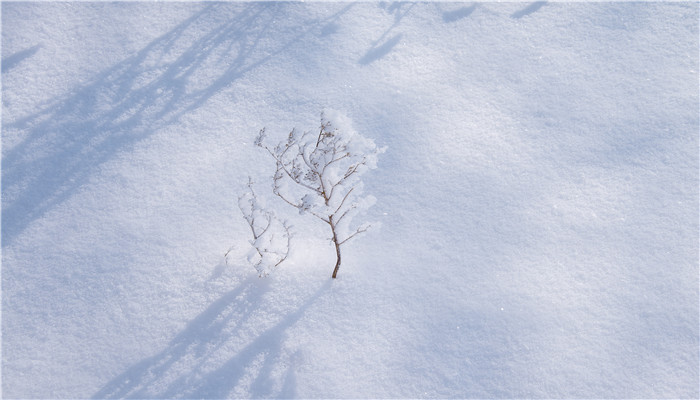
[(538, 200)]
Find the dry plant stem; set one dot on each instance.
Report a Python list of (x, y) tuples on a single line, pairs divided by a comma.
[(319, 159), (337, 248)]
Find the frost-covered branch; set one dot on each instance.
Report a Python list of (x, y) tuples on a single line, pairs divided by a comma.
[(319, 174), (359, 230), (271, 236)]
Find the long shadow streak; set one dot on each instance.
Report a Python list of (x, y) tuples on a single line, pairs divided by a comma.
[(531, 8), (218, 383), (383, 46), (206, 328), (180, 370)]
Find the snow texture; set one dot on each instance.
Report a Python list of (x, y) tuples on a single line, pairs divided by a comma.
[(538, 200)]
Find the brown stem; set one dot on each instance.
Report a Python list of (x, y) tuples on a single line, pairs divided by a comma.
[(337, 247), (337, 263)]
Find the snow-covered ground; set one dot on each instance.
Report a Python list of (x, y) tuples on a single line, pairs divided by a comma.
[(538, 200)]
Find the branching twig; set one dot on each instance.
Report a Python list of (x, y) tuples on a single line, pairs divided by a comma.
[(266, 230), (358, 231), (323, 167)]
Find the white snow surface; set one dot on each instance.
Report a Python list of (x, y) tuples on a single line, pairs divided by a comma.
[(538, 200)]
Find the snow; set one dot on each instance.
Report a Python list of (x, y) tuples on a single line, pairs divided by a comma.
[(538, 200)]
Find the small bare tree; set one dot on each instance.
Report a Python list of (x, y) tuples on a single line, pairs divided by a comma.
[(319, 173), (271, 236)]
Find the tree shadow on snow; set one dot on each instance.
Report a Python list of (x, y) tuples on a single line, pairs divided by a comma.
[(531, 8), (14, 60), (69, 138), (456, 15), (375, 53), (383, 46), (193, 365)]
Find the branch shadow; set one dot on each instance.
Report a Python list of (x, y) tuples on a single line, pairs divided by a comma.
[(219, 382), (68, 138), (375, 53), (383, 46), (14, 60), (332, 26), (531, 8), (191, 367), (456, 15)]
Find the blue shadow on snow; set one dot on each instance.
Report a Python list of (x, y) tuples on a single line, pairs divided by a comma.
[(533, 7), (456, 15), (153, 89), (14, 60), (190, 366)]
